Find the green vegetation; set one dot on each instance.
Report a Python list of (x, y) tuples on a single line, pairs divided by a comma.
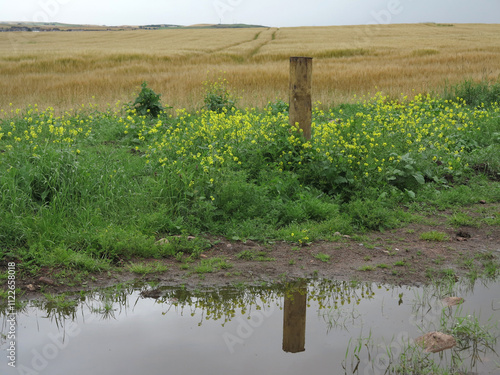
[(460, 219), (400, 263), (218, 98), (88, 189), (366, 268), (434, 235), (148, 102), (212, 265), (475, 94), (323, 257)]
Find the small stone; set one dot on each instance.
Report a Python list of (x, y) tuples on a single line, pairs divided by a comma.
[(46, 280), (154, 293), (463, 234), (482, 201), (162, 241), (346, 236), (434, 342), (337, 234), (188, 237), (31, 287)]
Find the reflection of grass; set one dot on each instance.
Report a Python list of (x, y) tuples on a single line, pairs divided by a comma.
[(469, 332), (475, 341)]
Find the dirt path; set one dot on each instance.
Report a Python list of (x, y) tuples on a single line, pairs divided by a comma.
[(398, 256)]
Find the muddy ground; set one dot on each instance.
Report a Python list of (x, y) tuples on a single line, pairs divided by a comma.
[(397, 257)]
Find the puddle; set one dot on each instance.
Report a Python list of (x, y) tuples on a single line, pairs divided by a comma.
[(317, 327)]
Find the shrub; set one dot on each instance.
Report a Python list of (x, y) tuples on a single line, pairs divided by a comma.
[(218, 98), (148, 102)]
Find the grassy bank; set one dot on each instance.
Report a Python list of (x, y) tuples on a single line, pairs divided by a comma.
[(89, 188)]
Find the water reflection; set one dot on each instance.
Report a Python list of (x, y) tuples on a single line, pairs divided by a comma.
[(266, 327), (294, 318)]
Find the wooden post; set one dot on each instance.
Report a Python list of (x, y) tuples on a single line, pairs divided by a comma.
[(294, 319), (300, 94)]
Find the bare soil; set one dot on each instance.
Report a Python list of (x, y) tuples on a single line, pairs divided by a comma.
[(398, 257)]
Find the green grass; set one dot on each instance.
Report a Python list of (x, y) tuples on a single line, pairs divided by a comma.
[(323, 257), (460, 219), (434, 235), (366, 268), (90, 189), (383, 266), (212, 265), (475, 94), (400, 263)]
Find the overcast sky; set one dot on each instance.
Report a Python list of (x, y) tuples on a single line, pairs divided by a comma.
[(280, 13)]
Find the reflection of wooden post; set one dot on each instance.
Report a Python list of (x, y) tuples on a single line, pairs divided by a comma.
[(300, 94), (294, 320)]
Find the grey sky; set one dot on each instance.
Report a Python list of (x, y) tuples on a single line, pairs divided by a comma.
[(279, 13)]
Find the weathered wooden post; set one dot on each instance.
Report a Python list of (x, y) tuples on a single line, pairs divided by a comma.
[(300, 94), (294, 319)]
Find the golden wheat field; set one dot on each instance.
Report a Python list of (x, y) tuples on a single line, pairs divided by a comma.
[(65, 69)]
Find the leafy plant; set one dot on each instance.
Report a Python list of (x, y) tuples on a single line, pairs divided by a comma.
[(218, 98), (148, 102), (404, 173), (278, 106)]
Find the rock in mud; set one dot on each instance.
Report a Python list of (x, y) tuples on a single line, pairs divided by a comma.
[(434, 342), (452, 301), (47, 281), (154, 293)]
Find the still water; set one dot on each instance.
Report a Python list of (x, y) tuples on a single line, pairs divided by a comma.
[(306, 327)]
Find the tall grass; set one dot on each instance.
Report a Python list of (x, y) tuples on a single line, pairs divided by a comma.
[(103, 67)]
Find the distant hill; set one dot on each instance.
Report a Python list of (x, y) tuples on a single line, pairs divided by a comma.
[(223, 26), (57, 26)]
